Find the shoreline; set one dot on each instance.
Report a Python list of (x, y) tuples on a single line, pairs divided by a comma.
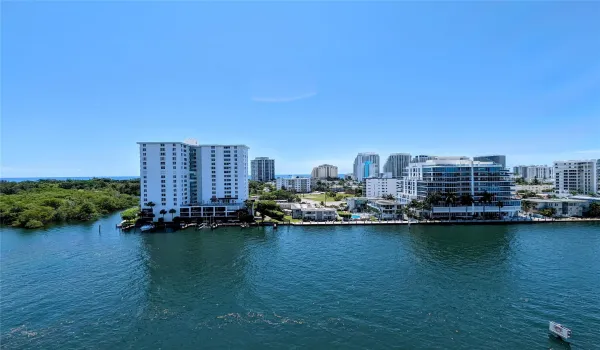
[(425, 222)]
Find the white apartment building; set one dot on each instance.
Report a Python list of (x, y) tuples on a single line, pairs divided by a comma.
[(366, 165), (532, 172), (197, 181), (460, 176), (262, 169), (377, 187), (295, 184), (579, 176), (324, 171), (396, 164)]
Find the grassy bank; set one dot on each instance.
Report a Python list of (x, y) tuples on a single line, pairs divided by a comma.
[(33, 204)]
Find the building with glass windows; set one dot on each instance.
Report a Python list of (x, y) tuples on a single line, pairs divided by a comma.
[(576, 176), (396, 164), (197, 181), (262, 169), (366, 165), (460, 176)]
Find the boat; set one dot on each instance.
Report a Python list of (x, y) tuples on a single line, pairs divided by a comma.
[(559, 331), (146, 227)]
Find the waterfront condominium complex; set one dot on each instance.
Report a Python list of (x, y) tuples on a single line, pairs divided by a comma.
[(580, 176), (498, 159), (464, 178), (396, 164), (295, 184), (325, 171), (197, 181), (532, 172), (263, 169), (366, 165)]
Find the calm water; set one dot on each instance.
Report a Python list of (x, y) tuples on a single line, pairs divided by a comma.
[(461, 287)]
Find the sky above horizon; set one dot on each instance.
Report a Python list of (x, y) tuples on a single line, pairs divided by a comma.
[(302, 83)]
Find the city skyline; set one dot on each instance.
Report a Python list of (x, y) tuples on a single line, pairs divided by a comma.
[(421, 78)]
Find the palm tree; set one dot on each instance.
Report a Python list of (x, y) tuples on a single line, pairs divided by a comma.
[(172, 212), (151, 205), (466, 200), (526, 206), (499, 204), (486, 198), (162, 212), (449, 199)]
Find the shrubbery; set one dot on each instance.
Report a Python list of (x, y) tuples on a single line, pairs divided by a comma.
[(33, 204)]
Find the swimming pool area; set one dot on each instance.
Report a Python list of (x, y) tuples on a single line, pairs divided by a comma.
[(355, 216)]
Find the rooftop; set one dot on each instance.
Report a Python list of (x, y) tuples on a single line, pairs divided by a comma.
[(191, 144), (554, 200), (318, 209)]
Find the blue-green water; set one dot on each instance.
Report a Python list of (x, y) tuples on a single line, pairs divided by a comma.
[(460, 287)]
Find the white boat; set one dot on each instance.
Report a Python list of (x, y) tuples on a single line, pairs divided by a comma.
[(146, 227), (559, 331)]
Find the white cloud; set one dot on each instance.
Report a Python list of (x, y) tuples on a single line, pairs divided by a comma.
[(283, 99)]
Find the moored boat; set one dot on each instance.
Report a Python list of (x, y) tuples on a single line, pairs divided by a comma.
[(146, 227)]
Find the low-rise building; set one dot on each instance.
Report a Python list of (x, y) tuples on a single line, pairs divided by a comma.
[(535, 188), (385, 209), (314, 214), (357, 204), (562, 206), (295, 184)]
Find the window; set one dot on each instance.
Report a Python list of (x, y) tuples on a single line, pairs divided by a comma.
[(163, 190), (162, 167), (175, 181), (144, 163), (162, 145)]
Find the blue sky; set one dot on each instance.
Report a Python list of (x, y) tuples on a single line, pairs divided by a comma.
[(303, 83)]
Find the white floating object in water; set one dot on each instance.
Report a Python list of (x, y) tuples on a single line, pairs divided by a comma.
[(559, 331)]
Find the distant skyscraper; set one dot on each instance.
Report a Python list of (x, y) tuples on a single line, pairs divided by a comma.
[(263, 169), (366, 165), (324, 171), (396, 164), (498, 159)]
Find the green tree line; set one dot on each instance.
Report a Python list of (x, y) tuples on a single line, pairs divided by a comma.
[(33, 204)]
